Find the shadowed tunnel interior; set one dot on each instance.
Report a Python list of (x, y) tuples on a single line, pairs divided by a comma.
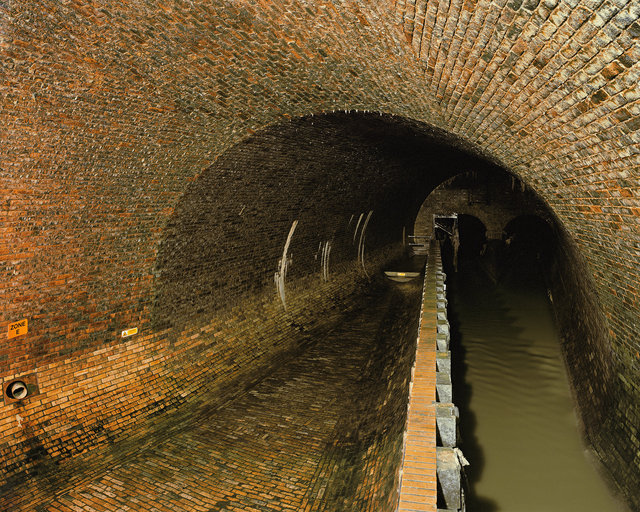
[(192, 193), (228, 231), (223, 327)]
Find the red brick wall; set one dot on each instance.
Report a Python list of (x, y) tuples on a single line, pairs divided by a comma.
[(103, 395), (204, 298), (109, 111)]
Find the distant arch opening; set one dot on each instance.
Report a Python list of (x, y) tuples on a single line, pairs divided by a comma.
[(529, 248), (473, 236)]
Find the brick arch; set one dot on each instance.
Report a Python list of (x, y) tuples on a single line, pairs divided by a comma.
[(324, 172), (110, 112), (494, 198)]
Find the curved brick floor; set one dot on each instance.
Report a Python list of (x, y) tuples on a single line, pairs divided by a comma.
[(323, 432)]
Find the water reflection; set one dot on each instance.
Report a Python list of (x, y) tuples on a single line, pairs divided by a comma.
[(518, 426)]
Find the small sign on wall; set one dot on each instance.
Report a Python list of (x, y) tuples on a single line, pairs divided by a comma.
[(129, 332), (18, 328)]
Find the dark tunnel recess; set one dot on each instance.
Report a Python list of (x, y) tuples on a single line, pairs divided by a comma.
[(473, 236), (530, 246), (329, 173)]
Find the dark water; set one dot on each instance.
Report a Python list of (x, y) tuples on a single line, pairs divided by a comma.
[(518, 425)]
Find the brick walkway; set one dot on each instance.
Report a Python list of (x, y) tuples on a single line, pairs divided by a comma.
[(324, 432), (419, 483)]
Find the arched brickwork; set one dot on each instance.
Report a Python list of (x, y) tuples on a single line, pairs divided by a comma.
[(111, 112), (495, 198), (211, 317)]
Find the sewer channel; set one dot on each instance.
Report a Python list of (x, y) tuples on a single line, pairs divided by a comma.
[(518, 424), (323, 432)]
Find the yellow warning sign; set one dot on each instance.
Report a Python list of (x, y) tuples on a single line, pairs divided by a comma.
[(129, 332), (18, 328)]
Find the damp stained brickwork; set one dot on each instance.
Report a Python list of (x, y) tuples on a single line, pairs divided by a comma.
[(110, 112), (213, 318), (594, 370), (322, 431), (226, 357)]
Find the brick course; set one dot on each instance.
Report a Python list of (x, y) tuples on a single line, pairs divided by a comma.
[(111, 111), (321, 431)]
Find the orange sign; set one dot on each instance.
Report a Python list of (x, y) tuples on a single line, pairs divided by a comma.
[(129, 332), (18, 328)]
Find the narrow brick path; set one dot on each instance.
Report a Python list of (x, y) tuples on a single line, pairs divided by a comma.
[(323, 432), (418, 491)]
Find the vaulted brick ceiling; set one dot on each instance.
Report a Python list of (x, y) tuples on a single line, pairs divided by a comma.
[(110, 110), (153, 93)]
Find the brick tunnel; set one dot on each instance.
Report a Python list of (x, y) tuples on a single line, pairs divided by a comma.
[(157, 157)]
